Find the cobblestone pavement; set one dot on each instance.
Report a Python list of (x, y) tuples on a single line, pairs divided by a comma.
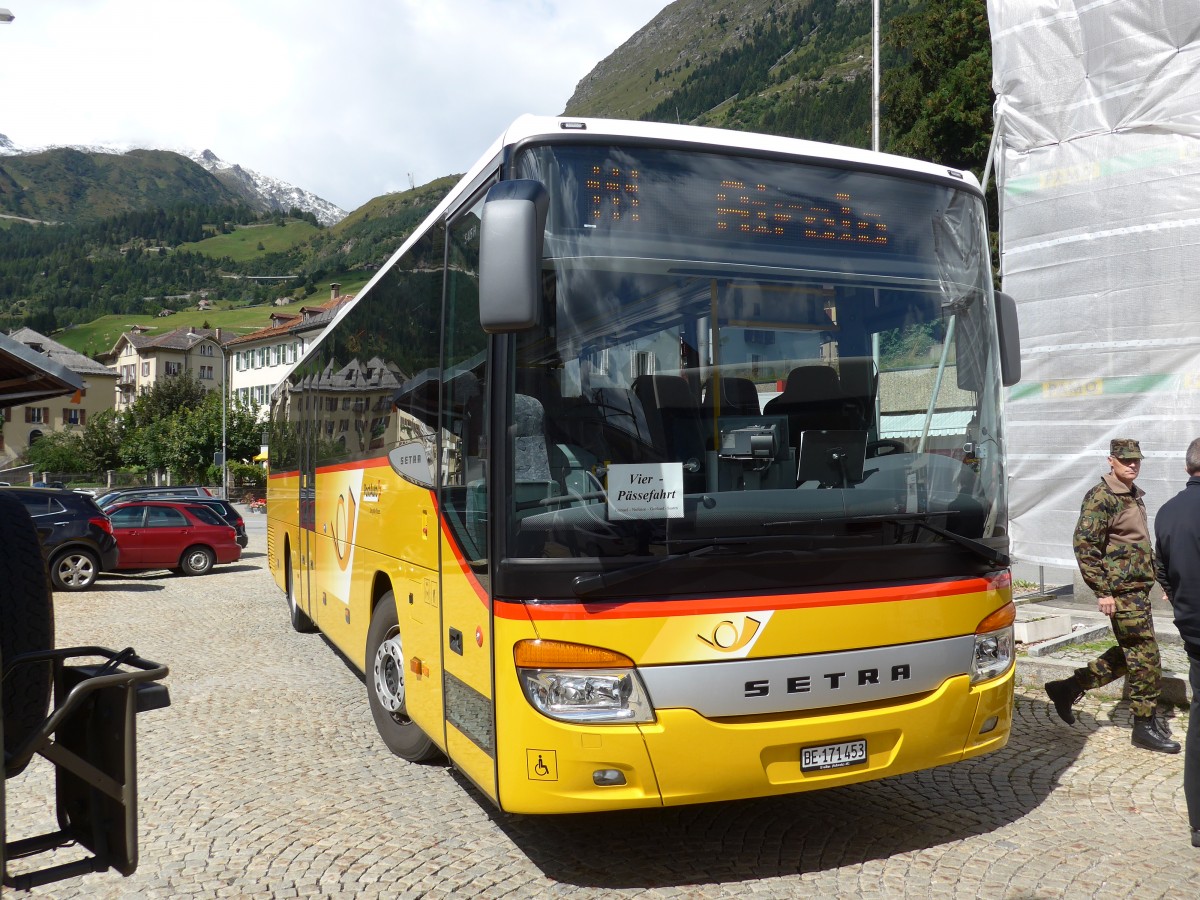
[(265, 779)]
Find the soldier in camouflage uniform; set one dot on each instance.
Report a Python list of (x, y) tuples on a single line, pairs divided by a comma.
[(1112, 547)]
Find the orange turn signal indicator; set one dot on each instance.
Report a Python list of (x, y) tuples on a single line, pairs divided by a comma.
[(539, 654), (1001, 618)]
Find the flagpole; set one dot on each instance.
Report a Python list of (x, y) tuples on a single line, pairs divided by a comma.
[(875, 75)]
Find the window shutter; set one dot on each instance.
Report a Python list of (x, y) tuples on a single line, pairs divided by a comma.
[(66, 416)]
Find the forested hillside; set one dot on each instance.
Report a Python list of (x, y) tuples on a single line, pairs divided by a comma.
[(802, 73), (55, 276), (67, 185)]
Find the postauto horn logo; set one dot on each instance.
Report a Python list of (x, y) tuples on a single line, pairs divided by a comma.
[(729, 637)]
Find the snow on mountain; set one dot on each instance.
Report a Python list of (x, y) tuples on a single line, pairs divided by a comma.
[(280, 195), (273, 194)]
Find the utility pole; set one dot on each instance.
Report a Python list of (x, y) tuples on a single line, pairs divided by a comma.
[(875, 75)]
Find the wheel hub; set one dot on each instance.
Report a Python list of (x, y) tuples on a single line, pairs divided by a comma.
[(389, 675)]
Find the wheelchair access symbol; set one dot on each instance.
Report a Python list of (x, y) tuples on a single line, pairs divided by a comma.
[(542, 765)]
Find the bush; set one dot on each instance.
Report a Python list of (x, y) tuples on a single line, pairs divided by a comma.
[(246, 475)]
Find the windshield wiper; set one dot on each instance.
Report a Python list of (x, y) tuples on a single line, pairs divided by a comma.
[(919, 520), (590, 584), (979, 548)]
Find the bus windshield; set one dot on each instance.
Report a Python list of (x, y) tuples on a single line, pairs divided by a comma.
[(733, 351)]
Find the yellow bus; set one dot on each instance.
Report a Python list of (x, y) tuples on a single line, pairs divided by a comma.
[(664, 465)]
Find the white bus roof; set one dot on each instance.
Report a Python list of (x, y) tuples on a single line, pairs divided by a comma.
[(529, 126)]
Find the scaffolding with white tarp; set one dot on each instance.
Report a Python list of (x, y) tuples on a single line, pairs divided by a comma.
[(1098, 176)]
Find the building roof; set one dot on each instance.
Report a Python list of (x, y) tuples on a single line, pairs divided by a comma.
[(309, 318), (27, 376), (63, 355), (178, 339)]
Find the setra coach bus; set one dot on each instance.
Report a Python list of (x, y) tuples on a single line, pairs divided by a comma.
[(664, 465)]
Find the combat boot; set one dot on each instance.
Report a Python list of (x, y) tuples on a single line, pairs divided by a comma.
[(1064, 694), (1147, 737), (1162, 726)]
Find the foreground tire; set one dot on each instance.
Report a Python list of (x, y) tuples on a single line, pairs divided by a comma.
[(26, 622), (196, 561), (74, 570), (300, 620), (385, 686)]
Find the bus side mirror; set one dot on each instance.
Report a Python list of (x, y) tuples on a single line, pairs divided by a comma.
[(510, 255), (1010, 339)]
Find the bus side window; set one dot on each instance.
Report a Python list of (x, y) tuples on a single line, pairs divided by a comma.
[(464, 393), (531, 460)]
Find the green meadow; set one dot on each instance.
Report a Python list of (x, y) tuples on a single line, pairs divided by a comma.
[(249, 242)]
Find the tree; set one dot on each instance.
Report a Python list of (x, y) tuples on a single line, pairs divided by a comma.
[(193, 438), (146, 429), (101, 441), (939, 104), (165, 398), (58, 451)]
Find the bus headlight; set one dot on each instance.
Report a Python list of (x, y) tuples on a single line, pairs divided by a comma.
[(994, 647), (577, 683)]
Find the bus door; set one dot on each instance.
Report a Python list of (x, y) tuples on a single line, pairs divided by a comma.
[(307, 516), (467, 643)]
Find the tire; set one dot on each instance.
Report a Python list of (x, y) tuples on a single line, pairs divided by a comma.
[(300, 620), (385, 687), (196, 561), (26, 622), (74, 570)]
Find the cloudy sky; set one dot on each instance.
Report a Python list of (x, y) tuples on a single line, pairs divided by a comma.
[(346, 99)]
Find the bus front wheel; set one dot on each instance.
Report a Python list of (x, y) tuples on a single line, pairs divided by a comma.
[(385, 686)]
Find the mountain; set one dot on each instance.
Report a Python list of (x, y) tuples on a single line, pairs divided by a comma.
[(279, 195), (649, 67), (86, 183), (800, 68)]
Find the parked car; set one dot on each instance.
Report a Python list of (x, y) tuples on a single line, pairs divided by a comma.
[(172, 534), (224, 508), (229, 512), (77, 537), (108, 498), (58, 485)]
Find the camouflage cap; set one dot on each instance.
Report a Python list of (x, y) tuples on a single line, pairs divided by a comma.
[(1125, 448)]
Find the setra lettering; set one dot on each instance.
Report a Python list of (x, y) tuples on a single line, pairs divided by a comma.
[(803, 684)]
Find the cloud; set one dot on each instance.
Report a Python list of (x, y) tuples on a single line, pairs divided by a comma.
[(347, 100)]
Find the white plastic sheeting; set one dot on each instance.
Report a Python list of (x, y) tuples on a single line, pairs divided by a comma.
[(1098, 171)]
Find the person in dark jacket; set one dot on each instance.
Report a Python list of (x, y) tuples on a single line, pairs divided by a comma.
[(1112, 547), (1177, 569)]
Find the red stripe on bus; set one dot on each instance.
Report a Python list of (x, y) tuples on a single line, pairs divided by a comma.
[(461, 558), (509, 609)]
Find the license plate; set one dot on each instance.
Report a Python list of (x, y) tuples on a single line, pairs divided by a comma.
[(833, 756)]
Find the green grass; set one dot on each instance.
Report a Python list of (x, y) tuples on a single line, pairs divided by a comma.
[(100, 335), (243, 245), (1096, 647)]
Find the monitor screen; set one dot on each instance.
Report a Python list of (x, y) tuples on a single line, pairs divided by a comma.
[(832, 458)]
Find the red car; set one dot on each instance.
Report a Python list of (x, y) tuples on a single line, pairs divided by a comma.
[(172, 534)]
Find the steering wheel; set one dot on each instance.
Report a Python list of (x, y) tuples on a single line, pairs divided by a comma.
[(888, 446)]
